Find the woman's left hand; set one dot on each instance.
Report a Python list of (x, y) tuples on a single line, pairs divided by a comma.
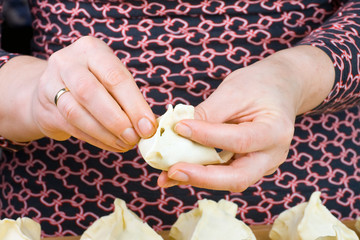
[(252, 114)]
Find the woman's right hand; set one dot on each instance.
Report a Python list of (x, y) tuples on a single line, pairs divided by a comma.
[(103, 107)]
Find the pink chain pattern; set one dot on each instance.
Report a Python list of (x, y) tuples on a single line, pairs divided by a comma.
[(178, 52), (339, 38), (11, 145)]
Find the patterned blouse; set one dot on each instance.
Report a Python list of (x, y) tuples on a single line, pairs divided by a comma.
[(179, 51)]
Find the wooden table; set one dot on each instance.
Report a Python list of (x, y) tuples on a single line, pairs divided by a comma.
[(261, 232)]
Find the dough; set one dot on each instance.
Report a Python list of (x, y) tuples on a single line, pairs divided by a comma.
[(21, 229), (285, 226), (211, 221), (310, 221), (166, 147), (122, 224)]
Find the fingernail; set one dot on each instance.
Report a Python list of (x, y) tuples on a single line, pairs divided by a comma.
[(183, 130), (145, 127), (179, 176), (130, 136)]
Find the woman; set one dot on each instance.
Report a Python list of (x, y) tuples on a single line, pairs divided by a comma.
[(279, 62)]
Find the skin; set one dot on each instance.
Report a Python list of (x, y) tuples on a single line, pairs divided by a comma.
[(258, 105), (252, 113), (100, 86)]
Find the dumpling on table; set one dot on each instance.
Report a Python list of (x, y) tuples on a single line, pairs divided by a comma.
[(122, 224), (166, 147), (310, 221), (20, 229), (211, 221), (357, 224)]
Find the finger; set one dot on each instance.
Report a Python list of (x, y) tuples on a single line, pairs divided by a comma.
[(164, 181), (239, 138), (77, 116), (236, 177), (56, 127), (120, 83), (92, 96), (87, 138)]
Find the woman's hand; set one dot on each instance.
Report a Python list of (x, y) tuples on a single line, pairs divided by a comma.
[(252, 114), (103, 107)]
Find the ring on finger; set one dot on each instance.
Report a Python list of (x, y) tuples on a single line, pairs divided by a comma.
[(59, 94)]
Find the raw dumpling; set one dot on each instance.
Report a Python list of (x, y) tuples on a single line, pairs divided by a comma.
[(211, 221), (21, 229), (166, 147), (310, 221), (285, 226), (357, 224), (121, 224)]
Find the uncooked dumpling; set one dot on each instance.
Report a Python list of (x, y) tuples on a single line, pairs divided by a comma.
[(211, 221), (285, 226), (166, 147), (21, 229), (357, 224), (122, 224), (310, 221)]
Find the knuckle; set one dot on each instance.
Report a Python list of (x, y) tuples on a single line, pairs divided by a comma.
[(116, 123), (57, 59), (127, 148), (113, 78), (83, 89), (239, 186), (202, 136), (240, 180), (241, 143), (88, 42), (69, 111), (123, 147)]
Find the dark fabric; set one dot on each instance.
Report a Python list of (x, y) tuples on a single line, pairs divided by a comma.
[(339, 38), (178, 52)]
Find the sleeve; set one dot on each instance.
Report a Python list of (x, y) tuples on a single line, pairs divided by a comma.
[(5, 57), (339, 38)]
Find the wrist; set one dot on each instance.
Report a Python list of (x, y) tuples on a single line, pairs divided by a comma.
[(18, 81), (310, 72)]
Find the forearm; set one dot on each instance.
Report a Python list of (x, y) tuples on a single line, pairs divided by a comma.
[(18, 82), (339, 38), (310, 75)]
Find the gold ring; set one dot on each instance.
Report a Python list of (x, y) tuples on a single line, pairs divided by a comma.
[(59, 93)]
